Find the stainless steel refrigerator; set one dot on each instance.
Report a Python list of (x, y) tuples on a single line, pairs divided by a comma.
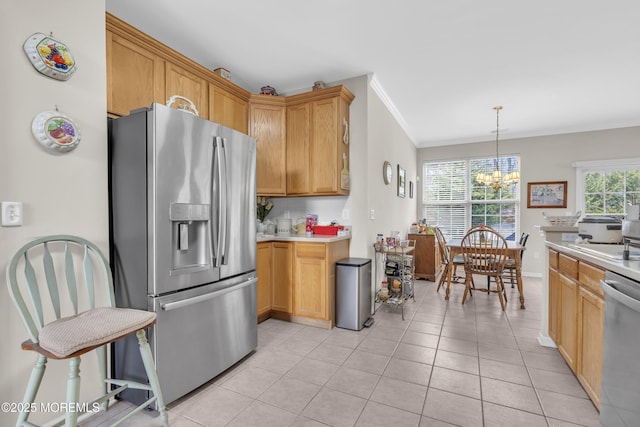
[(182, 202)]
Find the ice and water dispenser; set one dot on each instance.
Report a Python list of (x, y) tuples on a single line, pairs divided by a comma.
[(189, 236)]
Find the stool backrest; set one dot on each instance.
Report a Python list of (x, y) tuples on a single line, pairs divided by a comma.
[(51, 283)]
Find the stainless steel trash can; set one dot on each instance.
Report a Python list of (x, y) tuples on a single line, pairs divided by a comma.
[(353, 293)]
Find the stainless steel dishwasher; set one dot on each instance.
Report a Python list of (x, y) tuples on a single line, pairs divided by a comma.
[(620, 394)]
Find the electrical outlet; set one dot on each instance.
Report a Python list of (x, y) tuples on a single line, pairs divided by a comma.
[(11, 214), (345, 214), (372, 214)]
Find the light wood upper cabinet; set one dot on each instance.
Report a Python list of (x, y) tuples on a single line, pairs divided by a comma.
[(186, 84), (317, 139), (228, 109), (135, 76), (298, 139), (326, 147), (141, 70), (267, 124)]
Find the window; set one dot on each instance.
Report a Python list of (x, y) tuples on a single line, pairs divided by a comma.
[(454, 201), (607, 187)]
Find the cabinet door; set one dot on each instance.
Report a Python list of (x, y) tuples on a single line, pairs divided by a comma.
[(263, 270), (554, 305), (282, 284), (135, 76), (425, 256), (310, 294), (183, 83), (325, 161), (267, 125), (298, 124), (227, 109), (590, 334), (568, 334)]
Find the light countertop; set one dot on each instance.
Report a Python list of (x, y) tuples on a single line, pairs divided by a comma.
[(320, 238), (629, 268)]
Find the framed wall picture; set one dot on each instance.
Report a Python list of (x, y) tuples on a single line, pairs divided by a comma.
[(402, 183), (547, 194)]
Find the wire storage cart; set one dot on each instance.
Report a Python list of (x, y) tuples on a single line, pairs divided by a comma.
[(397, 285)]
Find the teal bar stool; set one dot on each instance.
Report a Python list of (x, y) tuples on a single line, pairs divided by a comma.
[(65, 321)]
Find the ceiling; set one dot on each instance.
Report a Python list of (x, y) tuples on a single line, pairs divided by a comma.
[(555, 66)]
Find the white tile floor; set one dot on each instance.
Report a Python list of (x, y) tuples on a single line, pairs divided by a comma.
[(445, 365)]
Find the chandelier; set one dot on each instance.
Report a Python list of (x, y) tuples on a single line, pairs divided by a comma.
[(495, 179)]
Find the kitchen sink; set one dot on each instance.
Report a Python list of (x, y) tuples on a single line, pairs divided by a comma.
[(606, 250)]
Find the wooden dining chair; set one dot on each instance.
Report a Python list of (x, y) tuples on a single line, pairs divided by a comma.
[(510, 264), (484, 252), (446, 261), (72, 312)]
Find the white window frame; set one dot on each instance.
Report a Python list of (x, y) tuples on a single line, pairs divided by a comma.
[(585, 167), (468, 202)]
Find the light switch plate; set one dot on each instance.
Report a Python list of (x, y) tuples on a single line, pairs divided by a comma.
[(11, 214)]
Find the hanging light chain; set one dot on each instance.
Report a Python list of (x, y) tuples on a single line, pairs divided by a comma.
[(496, 180)]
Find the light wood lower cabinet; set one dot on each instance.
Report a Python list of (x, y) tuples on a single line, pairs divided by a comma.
[(576, 317), (590, 335), (310, 281), (263, 288), (282, 277), (554, 305), (315, 281), (300, 277), (568, 345)]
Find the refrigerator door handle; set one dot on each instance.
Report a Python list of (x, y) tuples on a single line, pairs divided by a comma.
[(224, 204), (216, 188), (194, 300)]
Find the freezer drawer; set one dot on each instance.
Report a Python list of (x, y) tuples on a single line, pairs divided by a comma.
[(198, 335)]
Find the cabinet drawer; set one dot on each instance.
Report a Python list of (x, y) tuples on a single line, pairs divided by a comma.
[(310, 250), (553, 259), (590, 277), (568, 265)]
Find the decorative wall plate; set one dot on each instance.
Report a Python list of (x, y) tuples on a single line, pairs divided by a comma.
[(49, 56), (56, 131)]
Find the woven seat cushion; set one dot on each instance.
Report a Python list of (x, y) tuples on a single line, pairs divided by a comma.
[(91, 328)]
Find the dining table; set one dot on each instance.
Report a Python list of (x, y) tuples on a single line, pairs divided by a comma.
[(514, 251)]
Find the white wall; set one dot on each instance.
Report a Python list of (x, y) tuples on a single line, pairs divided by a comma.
[(62, 193), (547, 158)]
